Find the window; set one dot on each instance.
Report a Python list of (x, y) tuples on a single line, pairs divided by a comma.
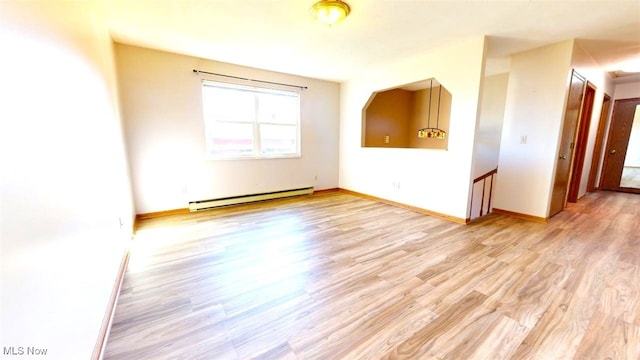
[(250, 122)]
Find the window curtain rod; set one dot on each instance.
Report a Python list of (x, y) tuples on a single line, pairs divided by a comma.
[(247, 79)]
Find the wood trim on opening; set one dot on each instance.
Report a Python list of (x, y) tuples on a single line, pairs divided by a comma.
[(405, 206), (111, 309)]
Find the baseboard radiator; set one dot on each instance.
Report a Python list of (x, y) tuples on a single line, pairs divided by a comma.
[(235, 200)]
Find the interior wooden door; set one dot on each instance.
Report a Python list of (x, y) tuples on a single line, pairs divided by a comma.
[(597, 148), (580, 148), (567, 143), (617, 142)]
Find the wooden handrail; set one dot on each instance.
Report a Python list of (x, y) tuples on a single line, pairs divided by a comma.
[(482, 177), (476, 180)]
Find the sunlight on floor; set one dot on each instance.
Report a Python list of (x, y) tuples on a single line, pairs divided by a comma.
[(148, 242), (273, 260)]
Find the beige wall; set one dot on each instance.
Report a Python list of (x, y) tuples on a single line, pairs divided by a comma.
[(162, 114), (400, 113), (388, 114)]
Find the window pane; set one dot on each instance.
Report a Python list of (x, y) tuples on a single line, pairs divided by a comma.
[(278, 139), (244, 121), (224, 139), (278, 108), (224, 104)]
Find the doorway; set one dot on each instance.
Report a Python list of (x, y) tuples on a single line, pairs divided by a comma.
[(621, 166), (597, 149), (566, 152), (584, 122)]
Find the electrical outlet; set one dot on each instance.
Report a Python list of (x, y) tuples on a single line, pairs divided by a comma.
[(523, 139)]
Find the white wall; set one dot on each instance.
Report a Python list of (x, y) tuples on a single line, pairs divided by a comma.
[(584, 64), (64, 182), (536, 96), (627, 91), (494, 96), (162, 113), (436, 180), (488, 134)]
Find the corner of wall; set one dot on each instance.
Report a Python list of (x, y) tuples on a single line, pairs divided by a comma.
[(374, 171), (536, 97)]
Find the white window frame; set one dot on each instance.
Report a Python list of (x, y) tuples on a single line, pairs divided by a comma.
[(256, 154)]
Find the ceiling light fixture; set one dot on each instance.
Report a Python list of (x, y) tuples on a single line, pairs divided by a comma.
[(630, 66), (436, 132), (330, 12)]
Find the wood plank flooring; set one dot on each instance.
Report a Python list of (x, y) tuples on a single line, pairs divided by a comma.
[(341, 277)]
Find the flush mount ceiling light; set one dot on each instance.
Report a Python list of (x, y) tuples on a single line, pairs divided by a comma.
[(630, 66), (625, 68), (330, 12)]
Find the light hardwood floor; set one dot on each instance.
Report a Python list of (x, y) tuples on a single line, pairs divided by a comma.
[(340, 277)]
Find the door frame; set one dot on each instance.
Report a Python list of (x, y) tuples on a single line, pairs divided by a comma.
[(565, 151), (581, 139), (598, 147), (608, 145)]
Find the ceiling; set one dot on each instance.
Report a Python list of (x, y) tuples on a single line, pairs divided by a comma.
[(280, 35)]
